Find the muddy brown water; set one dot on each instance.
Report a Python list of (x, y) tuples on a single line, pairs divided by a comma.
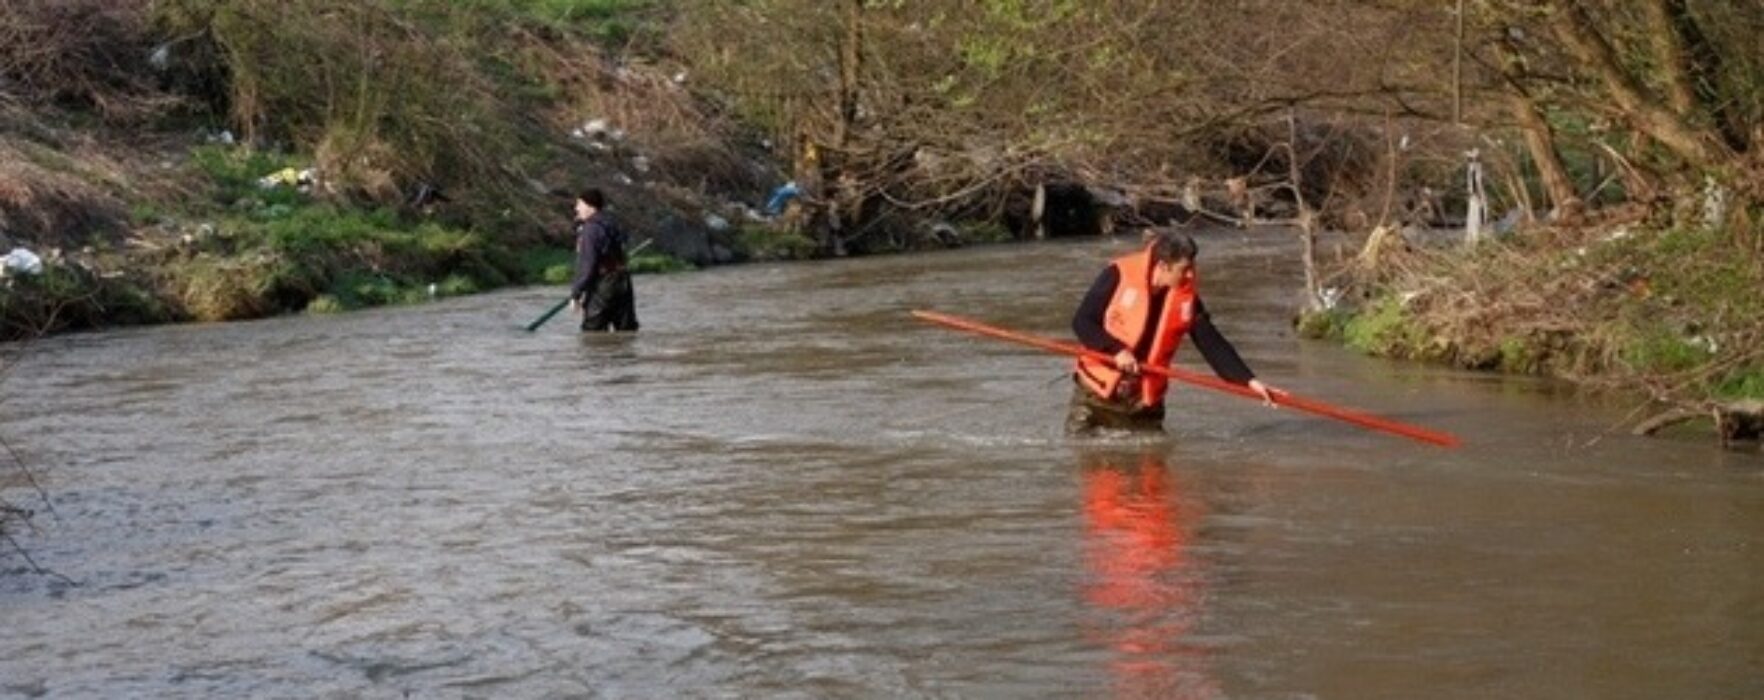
[(785, 487)]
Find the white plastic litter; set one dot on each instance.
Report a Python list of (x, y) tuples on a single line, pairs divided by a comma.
[(21, 261), (716, 223), (1715, 201), (591, 129)]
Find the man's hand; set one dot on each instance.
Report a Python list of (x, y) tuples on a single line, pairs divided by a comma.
[(1126, 362), (576, 306), (1266, 391)]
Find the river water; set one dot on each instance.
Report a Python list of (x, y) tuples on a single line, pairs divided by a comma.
[(786, 487)]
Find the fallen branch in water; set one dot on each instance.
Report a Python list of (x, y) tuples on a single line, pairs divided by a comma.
[(1736, 421)]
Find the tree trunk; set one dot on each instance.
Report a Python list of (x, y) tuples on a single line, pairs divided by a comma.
[(1540, 140), (1688, 67), (1575, 28), (851, 52), (1675, 63), (837, 178), (1307, 221)]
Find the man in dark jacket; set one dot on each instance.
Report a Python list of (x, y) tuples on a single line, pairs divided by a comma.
[(602, 291)]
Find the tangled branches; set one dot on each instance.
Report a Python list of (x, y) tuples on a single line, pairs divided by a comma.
[(88, 54)]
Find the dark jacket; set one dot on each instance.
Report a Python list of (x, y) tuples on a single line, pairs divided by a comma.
[(600, 250)]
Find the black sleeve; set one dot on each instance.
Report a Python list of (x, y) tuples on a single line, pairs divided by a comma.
[(1087, 323), (1216, 349), (588, 237)]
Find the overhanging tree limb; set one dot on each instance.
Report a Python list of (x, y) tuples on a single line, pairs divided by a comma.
[(1581, 37)]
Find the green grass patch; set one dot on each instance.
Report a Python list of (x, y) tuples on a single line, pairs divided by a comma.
[(361, 289), (457, 285), (71, 298), (285, 257), (766, 243), (1747, 383), (1383, 329), (1658, 349), (1719, 282), (657, 263), (1327, 324), (326, 304), (558, 265), (607, 21), (547, 265), (236, 171), (1518, 355)]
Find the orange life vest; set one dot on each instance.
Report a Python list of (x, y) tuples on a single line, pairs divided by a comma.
[(1127, 320)]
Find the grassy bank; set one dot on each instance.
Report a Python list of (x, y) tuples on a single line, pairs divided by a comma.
[(212, 160), (248, 251), (136, 136), (1674, 313)]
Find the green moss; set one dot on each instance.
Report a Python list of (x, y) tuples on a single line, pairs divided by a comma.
[(1330, 324), (1383, 329), (1518, 355)]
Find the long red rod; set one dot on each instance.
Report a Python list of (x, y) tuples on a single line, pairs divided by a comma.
[(1280, 397)]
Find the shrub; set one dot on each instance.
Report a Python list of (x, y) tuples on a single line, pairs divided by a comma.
[(766, 243), (1383, 329), (653, 263)]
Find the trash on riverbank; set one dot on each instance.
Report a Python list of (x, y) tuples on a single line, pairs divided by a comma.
[(289, 177), (21, 262)]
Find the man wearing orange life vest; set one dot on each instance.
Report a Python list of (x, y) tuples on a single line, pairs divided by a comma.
[(1137, 311)]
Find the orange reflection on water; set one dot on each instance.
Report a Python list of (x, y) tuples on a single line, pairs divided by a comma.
[(1143, 589)]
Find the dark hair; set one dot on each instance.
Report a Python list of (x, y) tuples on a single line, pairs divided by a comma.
[(1169, 246), (592, 197)]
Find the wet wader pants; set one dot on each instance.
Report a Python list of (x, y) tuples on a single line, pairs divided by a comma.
[(611, 304), (1090, 413)]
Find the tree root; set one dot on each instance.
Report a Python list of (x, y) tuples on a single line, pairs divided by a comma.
[(1735, 421)]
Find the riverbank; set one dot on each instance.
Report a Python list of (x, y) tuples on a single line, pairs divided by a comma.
[(1629, 304), (235, 245), (197, 161)]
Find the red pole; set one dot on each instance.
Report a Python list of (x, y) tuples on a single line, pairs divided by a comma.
[(1282, 398)]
